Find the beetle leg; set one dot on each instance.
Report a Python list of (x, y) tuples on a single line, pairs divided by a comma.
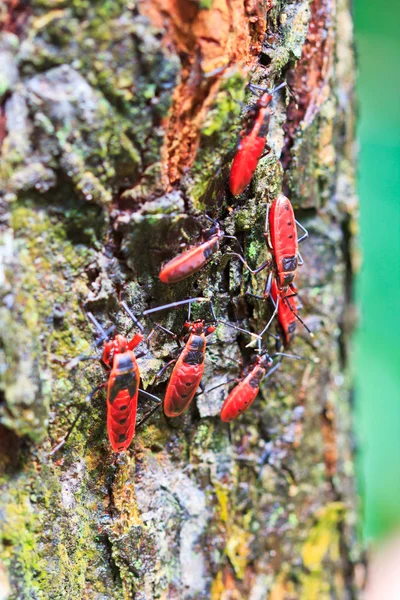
[(254, 295), (268, 284), (171, 333), (147, 416), (151, 396), (84, 406), (253, 271), (269, 322), (71, 364), (132, 316), (219, 385), (300, 259), (267, 150), (304, 230), (152, 411), (299, 319), (162, 371), (174, 305)]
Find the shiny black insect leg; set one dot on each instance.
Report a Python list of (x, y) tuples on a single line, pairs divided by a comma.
[(85, 405), (132, 316), (152, 411), (298, 318), (268, 285)]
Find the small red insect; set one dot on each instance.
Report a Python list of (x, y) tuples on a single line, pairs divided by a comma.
[(243, 395), (122, 385), (283, 242), (281, 237), (195, 258), (188, 370), (122, 390), (189, 367), (252, 142)]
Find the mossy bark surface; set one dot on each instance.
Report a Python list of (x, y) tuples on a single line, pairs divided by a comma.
[(118, 120)]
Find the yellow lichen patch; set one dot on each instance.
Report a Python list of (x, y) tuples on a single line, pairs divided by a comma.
[(125, 498), (217, 587), (43, 21), (282, 589), (237, 549), (314, 588), (323, 541), (222, 493), (323, 536)]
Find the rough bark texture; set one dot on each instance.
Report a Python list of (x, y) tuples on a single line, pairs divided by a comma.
[(117, 123)]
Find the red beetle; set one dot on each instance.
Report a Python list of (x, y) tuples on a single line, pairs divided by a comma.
[(282, 240), (194, 259), (243, 395), (197, 257), (122, 390), (281, 237), (252, 142), (189, 367), (122, 385), (188, 370)]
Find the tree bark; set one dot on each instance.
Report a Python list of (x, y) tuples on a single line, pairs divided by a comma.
[(117, 125)]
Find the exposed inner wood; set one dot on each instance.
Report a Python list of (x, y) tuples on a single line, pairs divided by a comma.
[(207, 41)]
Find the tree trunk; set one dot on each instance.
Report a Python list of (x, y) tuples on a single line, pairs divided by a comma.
[(117, 124)]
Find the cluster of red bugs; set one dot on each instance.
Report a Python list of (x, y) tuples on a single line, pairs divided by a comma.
[(118, 355)]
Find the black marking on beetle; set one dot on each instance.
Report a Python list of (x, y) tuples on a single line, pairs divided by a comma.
[(122, 438), (197, 343), (211, 249), (193, 357), (289, 263), (124, 362), (263, 132), (123, 407), (288, 278), (123, 421), (292, 327), (256, 377), (126, 381)]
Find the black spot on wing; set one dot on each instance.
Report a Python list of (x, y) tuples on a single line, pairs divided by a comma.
[(198, 342), (126, 381), (124, 362), (193, 357), (289, 263)]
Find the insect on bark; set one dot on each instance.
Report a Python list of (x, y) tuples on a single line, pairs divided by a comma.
[(122, 384), (192, 260), (188, 371), (252, 140)]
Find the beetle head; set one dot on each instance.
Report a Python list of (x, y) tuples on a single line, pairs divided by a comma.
[(214, 231), (119, 344)]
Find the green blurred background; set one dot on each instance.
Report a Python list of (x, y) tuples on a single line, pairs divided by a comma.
[(378, 287)]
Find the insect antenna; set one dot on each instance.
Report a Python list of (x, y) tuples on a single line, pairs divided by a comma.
[(105, 334), (131, 315), (174, 305)]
